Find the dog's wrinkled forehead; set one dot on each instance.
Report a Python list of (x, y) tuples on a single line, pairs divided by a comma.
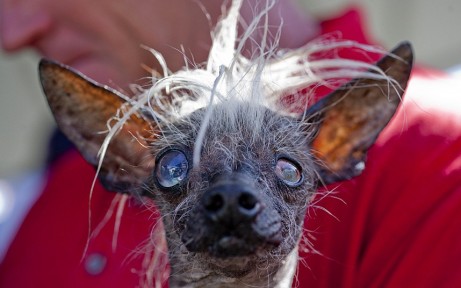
[(239, 135), (242, 127)]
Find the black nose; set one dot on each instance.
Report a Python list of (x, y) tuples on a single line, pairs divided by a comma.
[(231, 204)]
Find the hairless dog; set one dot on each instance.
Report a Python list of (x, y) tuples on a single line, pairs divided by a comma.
[(229, 164)]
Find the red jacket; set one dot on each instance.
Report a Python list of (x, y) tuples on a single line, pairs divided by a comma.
[(396, 225)]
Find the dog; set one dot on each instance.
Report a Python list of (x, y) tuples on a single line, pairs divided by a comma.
[(231, 167)]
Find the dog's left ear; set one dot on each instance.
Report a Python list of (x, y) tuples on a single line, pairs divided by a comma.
[(83, 109), (351, 118)]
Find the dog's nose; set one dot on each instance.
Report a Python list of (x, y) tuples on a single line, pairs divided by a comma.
[(231, 204)]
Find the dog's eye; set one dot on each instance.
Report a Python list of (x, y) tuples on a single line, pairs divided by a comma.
[(172, 168), (288, 172)]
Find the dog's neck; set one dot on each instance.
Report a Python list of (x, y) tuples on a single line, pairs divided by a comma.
[(190, 270)]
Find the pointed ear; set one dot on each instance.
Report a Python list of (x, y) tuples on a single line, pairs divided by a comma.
[(352, 117), (83, 110)]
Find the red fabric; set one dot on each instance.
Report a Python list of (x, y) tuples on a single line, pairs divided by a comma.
[(349, 25), (48, 250), (396, 225)]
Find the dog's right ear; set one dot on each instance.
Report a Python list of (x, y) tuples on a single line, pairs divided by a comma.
[(83, 110), (351, 118)]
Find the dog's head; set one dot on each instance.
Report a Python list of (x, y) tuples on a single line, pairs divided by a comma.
[(242, 204)]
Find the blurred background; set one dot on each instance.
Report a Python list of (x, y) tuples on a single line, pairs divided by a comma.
[(25, 122)]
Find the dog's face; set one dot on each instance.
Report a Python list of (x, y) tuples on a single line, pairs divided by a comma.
[(247, 197), (241, 206)]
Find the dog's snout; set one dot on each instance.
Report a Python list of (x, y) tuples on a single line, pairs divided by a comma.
[(231, 204)]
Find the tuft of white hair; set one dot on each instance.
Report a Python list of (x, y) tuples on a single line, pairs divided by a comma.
[(233, 79)]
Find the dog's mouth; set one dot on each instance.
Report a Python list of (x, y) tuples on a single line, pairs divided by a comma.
[(235, 267), (240, 243), (234, 246), (229, 246), (257, 238), (234, 257), (235, 249), (236, 253)]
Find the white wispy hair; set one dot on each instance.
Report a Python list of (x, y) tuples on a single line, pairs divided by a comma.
[(232, 78)]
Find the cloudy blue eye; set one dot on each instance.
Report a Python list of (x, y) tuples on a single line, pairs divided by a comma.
[(172, 168), (288, 171)]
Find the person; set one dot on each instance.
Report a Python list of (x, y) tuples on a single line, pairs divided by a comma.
[(396, 225), (103, 40)]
